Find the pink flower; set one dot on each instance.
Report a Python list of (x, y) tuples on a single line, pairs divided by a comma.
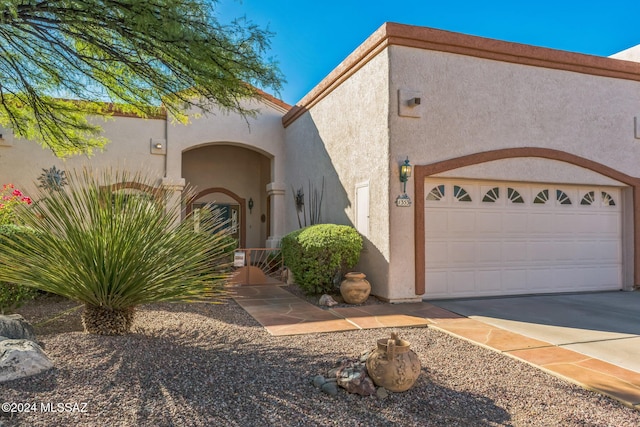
[(17, 193), (27, 200)]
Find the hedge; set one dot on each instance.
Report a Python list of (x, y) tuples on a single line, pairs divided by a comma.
[(318, 255), (13, 295)]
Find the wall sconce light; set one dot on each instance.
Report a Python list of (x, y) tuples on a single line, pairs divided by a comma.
[(414, 101), (250, 204), (158, 146), (405, 173)]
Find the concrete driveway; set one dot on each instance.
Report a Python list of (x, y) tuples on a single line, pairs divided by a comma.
[(602, 325)]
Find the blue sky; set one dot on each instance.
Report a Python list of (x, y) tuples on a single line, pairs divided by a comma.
[(313, 37)]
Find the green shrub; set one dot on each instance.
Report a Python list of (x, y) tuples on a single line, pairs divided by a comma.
[(12, 296), (318, 255)]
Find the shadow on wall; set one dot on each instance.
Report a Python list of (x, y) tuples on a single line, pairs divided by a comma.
[(308, 164)]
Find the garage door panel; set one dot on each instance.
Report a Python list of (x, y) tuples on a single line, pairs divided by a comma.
[(565, 223), (540, 223), (463, 282), (610, 223), (597, 250), (503, 243), (462, 253), (515, 251), (540, 279), (488, 282), (489, 252), (437, 284), (461, 222), (515, 223), (489, 223), (596, 276), (436, 253), (563, 251), (514, 280), (540, 251), (435, 222)]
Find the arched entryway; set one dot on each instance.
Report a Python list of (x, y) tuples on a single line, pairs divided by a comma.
[(233, 178)]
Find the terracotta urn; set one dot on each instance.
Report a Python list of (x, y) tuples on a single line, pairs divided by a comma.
[(393, 365), (355, 288)]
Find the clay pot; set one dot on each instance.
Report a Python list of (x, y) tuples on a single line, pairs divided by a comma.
[(355, 288), (393, 365)]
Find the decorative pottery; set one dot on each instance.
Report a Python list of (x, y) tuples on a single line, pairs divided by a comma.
[(355, 288), (393, 365)]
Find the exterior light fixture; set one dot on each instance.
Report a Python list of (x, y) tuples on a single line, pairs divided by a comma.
[(158, 146), (250, 204), (405, 173)]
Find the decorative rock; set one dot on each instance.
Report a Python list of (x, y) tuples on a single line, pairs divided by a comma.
[(330, 388), (14, 326), (21, 358), (381, 393), (319, 381), (327, 301), (352, 376)]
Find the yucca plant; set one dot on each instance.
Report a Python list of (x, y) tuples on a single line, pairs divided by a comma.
[(114, 250)]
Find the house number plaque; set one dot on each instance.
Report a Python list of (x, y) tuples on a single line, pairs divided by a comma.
[(403, 201)]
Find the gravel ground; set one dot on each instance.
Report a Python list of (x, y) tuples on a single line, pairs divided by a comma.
[(213, 365)]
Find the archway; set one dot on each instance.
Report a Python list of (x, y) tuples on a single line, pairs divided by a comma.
[(235, 178)]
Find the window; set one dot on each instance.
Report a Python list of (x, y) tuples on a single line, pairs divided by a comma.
[(607, 199), (514, 196), (492, 195), (461, 194), (562, 197), (542, 197), (588, 198), (436, 193)]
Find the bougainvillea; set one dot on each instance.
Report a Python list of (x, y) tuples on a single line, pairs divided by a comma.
[(11, 199)]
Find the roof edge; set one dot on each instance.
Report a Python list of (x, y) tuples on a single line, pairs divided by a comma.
[(276, 102), (394, 34)]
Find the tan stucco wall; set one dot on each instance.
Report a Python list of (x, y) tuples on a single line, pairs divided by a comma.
[(263, 134), (22, 162), (344, 138), (471, 105)]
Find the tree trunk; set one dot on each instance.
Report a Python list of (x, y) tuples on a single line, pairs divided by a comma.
[(106, 321)]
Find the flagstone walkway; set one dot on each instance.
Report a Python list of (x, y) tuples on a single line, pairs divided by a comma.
[(282, 313)]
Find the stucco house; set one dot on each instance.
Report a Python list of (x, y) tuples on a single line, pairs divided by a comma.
[(525, 164)]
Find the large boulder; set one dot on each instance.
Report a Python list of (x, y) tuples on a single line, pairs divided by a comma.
[(21, 358), (14, 326)]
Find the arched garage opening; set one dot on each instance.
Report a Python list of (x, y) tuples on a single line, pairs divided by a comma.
[(507, 202)]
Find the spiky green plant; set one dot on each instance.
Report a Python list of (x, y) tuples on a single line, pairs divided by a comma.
[(114, 250)]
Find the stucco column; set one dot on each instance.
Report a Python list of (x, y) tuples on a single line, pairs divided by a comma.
[(276, 191), (173, 190)]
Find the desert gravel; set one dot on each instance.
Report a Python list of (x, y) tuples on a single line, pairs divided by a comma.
[(214, 365)]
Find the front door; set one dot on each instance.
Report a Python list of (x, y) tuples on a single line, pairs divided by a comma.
[(229, 215)]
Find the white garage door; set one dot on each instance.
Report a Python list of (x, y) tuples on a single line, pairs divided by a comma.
[(504, 238)]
